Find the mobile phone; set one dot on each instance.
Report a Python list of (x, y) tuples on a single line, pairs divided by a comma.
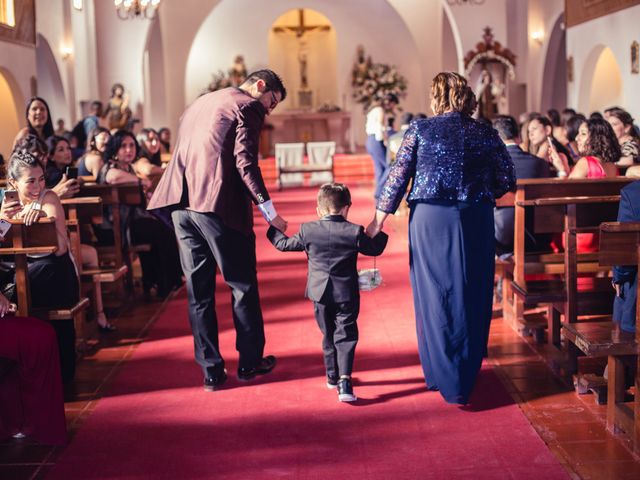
[(4, 227), (11, 196), (72, 172)]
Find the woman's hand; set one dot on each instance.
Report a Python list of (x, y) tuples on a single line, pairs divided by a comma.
[(10, 209), (5, 306), (66, 188), (375, 227), (32, 214), (556, 159)]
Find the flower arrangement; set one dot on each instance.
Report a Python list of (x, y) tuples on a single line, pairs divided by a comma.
[(372, 81)]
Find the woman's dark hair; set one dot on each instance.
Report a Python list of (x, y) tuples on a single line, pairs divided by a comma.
[(602, 141), (271, 79), (91, 141), (626, 119), (115, 142), (554, 116), (566, 114), (33, 145), (21, 159), (547, 123), (573, 125), (115, 87), (596, 114), (47, 129), (52, 143)]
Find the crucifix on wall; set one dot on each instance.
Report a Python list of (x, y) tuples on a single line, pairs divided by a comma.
[(300, 30)]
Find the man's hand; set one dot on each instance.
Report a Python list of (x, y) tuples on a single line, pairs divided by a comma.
[(5, 306), (279, 223), (66, 188)]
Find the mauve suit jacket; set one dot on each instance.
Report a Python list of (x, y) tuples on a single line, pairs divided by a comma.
[(214, 167), (332, 245)]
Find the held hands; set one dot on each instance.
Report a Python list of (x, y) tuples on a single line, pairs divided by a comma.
[(279, 223), (375, 227)]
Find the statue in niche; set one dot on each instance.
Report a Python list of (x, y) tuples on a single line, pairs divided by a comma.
[(238, 71), (361, 67), (491, 95)]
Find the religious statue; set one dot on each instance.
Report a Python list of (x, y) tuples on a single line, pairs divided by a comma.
[(238, 71), (304, 82), (491, 95), (361, 67), (117, 112)]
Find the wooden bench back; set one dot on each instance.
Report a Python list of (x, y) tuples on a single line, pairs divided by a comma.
[(619, 244), (20, 241)]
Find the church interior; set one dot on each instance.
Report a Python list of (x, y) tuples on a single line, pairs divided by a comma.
[(115, 380)]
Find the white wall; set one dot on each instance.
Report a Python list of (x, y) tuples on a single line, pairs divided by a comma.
[(587, 40)]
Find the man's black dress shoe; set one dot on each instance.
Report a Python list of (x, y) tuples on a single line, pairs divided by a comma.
[(264, 367), (212, 384)]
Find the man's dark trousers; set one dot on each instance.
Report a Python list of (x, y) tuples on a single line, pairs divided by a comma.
[(337, 322), (205, 242)]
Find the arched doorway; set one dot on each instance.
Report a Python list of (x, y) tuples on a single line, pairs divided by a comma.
[(11, 102), (554, 79), (306, 59), (601, 81), (50, 83)]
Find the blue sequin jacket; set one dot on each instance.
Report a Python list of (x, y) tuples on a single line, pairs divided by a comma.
[(450, 157)]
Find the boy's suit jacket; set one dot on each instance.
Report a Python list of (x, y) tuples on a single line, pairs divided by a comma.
[(332, 245)]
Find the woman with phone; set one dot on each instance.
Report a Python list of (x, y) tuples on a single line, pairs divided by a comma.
[(543, 145), (160, 266), (53, 277)]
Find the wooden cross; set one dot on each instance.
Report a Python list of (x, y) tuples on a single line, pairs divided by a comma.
[(301, 28)]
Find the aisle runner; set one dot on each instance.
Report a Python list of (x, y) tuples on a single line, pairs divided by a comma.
[(157, 422)]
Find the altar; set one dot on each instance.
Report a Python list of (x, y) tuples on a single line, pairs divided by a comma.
[(307, 126)]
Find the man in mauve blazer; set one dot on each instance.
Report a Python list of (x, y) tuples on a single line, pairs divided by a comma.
[(208, 186)]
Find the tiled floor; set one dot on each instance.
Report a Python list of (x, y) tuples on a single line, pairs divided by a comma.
[(573, 427)]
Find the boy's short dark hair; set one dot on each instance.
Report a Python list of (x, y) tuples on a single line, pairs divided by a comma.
[(333, 197)]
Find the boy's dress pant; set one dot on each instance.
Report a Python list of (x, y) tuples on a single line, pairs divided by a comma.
[(337, 321)]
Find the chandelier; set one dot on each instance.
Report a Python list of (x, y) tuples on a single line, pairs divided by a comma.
[(136, 8), (465, 2)]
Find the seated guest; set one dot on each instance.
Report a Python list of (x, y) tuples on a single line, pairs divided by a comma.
[(526, 166), (622, 123), (164, 134), (160, 266), (39, 121), (92, 121), (59, 155), (149, 162), (52, 277), (91, 162), (625, 278), (571, 128), (540, 132), (31, 403), (65, 188)]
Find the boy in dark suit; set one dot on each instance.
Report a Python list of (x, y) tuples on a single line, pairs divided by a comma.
[(332, 245)]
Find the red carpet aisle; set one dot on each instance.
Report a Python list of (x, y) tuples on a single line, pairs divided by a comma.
[(157, 422)]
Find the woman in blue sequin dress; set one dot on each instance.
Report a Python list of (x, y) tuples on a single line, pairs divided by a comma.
[(459, 167)]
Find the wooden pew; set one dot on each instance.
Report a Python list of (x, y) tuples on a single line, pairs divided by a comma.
[(114, 196), (86, 211), (547, 219), (619, 245), (39, 238)]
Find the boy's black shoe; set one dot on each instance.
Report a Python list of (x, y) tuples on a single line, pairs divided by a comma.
[(264, 367), (212, 384), (332, 382), (345, 390)]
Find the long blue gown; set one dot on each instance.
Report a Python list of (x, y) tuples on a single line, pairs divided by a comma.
[(459, 166)]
